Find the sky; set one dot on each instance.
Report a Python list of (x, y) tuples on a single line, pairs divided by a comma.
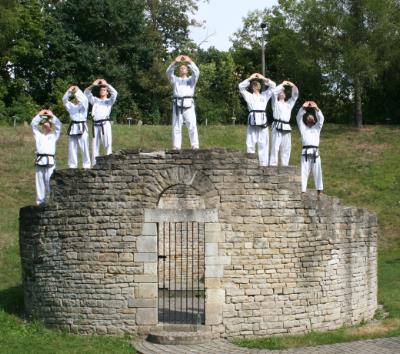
[(223, 18)]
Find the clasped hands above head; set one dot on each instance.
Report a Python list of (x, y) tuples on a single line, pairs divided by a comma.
[(182, 58), (45, 112), (308, 104), (99, 82)]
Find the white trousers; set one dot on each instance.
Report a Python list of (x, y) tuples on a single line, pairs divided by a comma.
[(101, 139), (259, 136), (188, 116), (81, 142), (315, 167), (42, 176), (280, 142)]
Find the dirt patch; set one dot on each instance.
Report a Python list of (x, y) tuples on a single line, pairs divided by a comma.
[(376, 327)]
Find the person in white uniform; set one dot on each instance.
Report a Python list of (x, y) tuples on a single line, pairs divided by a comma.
[(257, 123), (310, 121), (76, 104), (281, 137), (46, 129), (101, 112), (183, 110)]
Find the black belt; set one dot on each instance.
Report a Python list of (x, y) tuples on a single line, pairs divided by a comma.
[(252, 114), (100, 123), (39, 158), (314, 154), (76, 122), (279, 124), (180, 100)]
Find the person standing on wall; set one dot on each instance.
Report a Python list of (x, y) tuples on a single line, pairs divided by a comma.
[(101, 112), (77, 104), (257, 124), (46, 129), (281, 137), (310, 121), (183, 110)]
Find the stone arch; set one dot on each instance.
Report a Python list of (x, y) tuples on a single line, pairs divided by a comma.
[(188, 178)]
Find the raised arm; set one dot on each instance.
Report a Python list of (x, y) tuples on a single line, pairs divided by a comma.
[(170, 72), (113, 93), (35, 123), (299, 119), (271, 86), (88, 92), (320, 118), (194, 68), (57, 125), (66, 97), (82, 98), (295, 94), (243, 88)]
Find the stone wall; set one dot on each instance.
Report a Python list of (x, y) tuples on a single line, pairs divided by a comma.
[(276, 261)]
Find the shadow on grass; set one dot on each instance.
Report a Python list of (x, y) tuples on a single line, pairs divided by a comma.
[(12, 301)]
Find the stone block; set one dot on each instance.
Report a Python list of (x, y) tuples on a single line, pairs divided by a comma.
[(146, 316), (146, 244), (213, 314), (108, 257), (147, 291), (211, 249), (212, 283), (142, 303), (214, 271), (215, 260), (214, 236), (125, 257), (145, 278), (150, 269), (149, 229), (215, 296), (145, 257)]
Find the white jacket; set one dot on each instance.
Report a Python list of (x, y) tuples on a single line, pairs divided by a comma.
[(46, 143), (183, 87), (309, 135), (102, 108), (283, 109)]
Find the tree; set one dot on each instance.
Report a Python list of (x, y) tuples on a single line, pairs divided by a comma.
[(333, 49)]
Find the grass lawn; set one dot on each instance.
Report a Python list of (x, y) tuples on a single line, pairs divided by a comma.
[(361, 167)]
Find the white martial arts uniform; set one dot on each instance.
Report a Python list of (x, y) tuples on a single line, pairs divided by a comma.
[(257, 104), (78, 130), (310, 158), (45, 156), (281, 137), (101, 112), (183, 106)]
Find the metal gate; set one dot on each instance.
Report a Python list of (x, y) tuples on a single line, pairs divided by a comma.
[(181, 272)]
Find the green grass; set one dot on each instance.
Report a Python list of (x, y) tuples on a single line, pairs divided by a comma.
[(391, 328), (360, 167)]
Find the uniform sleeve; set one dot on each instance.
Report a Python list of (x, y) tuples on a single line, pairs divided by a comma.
[(195, 72), (170, 73), (58, 125), (275, 92), (113, 94), (243, 88), (35, 125), (89, 95), (295, 95), (82, 98), (299, 119), (320, 119), (65, 100), (269, 92)]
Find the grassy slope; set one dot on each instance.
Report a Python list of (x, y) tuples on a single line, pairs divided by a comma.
[(362, 168)]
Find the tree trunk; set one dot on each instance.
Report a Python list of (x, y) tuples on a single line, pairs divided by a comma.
[(358, 103)]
